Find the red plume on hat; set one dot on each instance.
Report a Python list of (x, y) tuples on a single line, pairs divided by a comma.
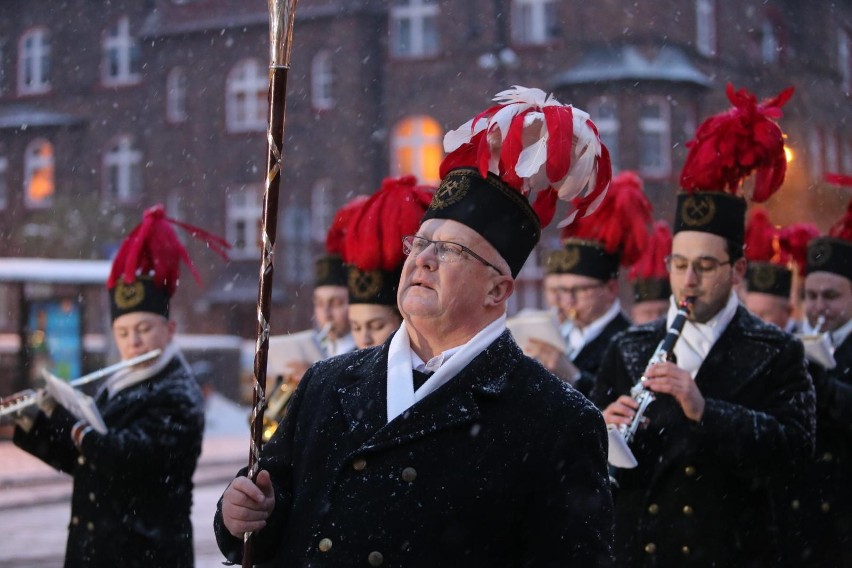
[(334, 240), (153, 249), (373, 239), (843, 228), (731, 145), (538, 146), (794, 241), (620, 223), (762, 243), (651, 264)]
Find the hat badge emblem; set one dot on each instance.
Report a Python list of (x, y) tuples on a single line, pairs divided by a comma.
[(697, 210)]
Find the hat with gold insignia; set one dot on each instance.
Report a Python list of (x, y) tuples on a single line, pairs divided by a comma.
[(528, 145), (768, 271), (372, 245), (727, 148), (146, 269), (613, 235), (833, 252)]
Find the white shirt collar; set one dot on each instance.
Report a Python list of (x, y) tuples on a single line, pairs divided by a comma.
[(401, 360), (696, 339), (839, 335), (579, 337)]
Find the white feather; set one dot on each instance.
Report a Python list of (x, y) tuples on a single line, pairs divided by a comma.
[(532, 158), (454, 139)]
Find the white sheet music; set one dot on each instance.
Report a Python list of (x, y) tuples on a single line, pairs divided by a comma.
[(77, 403), (536, 324), (300, 346)]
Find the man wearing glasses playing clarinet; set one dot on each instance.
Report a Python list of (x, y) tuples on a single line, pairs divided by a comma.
[(733, 405), (444, 446), (133, 467)]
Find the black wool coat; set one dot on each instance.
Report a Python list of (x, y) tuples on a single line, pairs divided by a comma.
[(132, 493), (588, 360), (818, 503), (701, 494), (503, 466)]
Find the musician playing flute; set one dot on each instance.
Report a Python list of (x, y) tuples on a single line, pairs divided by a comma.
[(492, 461), (132, 493), (735, 407)]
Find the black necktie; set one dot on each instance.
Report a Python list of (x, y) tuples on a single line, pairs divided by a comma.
[(419, 378)]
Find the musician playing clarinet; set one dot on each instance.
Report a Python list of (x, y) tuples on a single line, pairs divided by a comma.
[(132, 493), (734, 404)]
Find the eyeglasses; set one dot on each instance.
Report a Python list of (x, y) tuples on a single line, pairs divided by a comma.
[(446, 251), (702, 266), (579, 291)]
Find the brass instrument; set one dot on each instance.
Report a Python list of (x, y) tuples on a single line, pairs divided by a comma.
[(619, 453), (818, 347), (276, 404), (14, 403)]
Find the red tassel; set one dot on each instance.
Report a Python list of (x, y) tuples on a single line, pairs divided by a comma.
[(337, 231), (652, 263), (761, 238)]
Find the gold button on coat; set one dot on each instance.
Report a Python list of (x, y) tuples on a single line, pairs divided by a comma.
[(81, 460), (653, 508), (325, 545), (359, 464), (375, 558), (826, 507), (689, 471), (75, 520), (90, 526), (92, 497), (684, 550), (687, 510), (650, 548), (409, 474)]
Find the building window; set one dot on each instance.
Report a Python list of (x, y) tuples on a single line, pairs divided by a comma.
[(533, 21), (298, 252), (34, 62), (322, 209), (38, 174), (654, 138), (321, 81), (417, 149), (121, 63), (705, 27), (844, 58), (244, 209), (246, 105), (604, 113), (122, 164), (414, 28), (176, 95), (4, 184)]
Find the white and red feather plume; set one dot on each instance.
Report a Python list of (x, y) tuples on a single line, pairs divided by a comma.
[(538, 146)]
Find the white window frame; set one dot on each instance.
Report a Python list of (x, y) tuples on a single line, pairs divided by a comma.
[(660, 126), (532, 21), (609, 127), (322, 81), (411, 22), (246, 93), (243, 212), (34, 60), (35, 162), (122, 49), (322, 209), (122, 170), (298, 252), (176, 90), (4, 181), (706, 40)]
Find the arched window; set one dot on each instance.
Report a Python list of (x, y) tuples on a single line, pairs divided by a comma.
[(38, 174), (244, 208), (176, 95), (416, 148), (34, 62), (321, 81), (122, 166), (246, 97)]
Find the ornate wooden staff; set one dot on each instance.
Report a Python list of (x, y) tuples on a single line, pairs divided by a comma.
[(281, 17)]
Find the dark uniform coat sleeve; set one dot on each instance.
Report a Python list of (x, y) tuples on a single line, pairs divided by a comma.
[(132, 493), (502, 466), (588, 360), (701, 493)]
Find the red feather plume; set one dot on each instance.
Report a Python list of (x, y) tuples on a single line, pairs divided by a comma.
[(337, 231), (731, 145), (761, 238), (843, 228), (794, 241), (651, 265), (153, 249), (373, 236), (621, 220)]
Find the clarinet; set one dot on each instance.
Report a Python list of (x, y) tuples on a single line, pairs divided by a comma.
[(645, 396)]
